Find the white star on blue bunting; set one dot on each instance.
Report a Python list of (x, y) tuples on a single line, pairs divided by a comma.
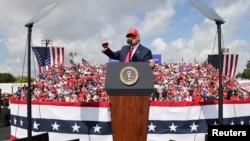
[(55, 126), (97, 128), (173, 127), (232, 123), (15, 120), (242, 122), (35, 125), (75, 128), (21, 122), (151, 127), (193, 127)]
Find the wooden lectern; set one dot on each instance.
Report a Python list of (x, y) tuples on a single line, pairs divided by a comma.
[(129, 86)]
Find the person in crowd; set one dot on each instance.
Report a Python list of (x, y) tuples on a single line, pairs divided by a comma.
[(5, 114), (4, 120), (133, 52)]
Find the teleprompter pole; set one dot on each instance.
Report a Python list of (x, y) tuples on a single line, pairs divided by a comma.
[(29, 133)]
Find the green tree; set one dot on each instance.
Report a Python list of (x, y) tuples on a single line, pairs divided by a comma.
[(23, 79), (246, 72), (7, 78)]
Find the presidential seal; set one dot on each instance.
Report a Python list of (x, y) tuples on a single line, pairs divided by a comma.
[(129, 75)]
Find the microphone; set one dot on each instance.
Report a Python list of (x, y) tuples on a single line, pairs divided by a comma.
[(129, 41)]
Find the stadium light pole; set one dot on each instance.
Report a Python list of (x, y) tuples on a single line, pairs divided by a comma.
[(72, 55), (29, 25), (46, 42), (212, 15)]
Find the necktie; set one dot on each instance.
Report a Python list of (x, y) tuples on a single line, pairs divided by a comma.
[(129, 55)]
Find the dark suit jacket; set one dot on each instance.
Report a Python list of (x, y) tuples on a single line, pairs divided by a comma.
[(142, 54), (5, 133), (4, 117)]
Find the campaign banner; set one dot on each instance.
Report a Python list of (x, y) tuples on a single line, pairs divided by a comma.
[(91, 121)]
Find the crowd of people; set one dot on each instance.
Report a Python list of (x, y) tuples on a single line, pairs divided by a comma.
[(84, 82)]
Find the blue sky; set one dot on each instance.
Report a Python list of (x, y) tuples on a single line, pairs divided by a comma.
[(173, 28)]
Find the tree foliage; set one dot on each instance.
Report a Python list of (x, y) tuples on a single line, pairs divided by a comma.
[(246, 72), (23, 79), (7, 78)]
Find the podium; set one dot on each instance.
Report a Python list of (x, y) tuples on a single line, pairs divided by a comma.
[(129, 86)]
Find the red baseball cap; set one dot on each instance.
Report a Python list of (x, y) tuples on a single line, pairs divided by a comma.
[(132, 31)]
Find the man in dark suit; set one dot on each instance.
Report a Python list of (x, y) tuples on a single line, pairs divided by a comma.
[(4, 120), (5, 114), (139, 53)]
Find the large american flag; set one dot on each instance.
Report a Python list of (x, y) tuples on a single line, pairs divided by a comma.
[(229, 63), (48, 57), (179, 121)]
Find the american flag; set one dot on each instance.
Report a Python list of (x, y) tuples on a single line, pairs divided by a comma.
[(48, 57), (180, 121), (229, 63), (84, 61)]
